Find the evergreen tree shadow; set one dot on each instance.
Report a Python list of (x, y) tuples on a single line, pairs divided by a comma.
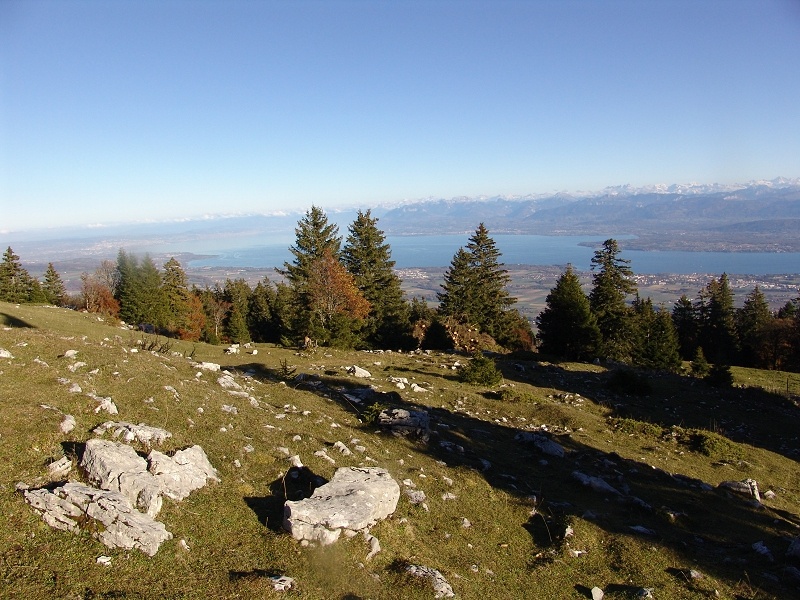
[(12, 321), (709, 527)]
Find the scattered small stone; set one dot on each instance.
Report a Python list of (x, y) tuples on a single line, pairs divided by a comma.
[(441, 588), (641, 529), (67, 424), (60, 468), (281, 583), (448, 496), (104, 561), (69, 354), (597, 593), (230, 409), (342, 448)]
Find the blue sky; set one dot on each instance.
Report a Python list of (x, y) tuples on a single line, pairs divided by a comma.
[(148, 110)]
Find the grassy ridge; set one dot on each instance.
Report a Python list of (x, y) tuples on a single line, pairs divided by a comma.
[(657, 450)]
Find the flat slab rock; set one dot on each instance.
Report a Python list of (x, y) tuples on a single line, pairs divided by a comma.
[(67, 507), (355, 499)]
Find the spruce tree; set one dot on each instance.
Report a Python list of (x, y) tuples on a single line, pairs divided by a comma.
[(612, 283), (717, 321), (314, 235), (567, 327), (474, 289), (656, 342), (175, 289), (685, 319), (16, 284), (261, 319), (457, 299), (368, 258), (237, 293), (752, 321), (53, 287)]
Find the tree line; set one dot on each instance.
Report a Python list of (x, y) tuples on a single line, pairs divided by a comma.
[(613, 322), (343, 292)]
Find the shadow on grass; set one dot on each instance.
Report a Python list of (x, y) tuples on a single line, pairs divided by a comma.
[(297, 484), (707, 527), (12, 321)]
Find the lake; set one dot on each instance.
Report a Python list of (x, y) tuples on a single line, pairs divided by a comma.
[(438, 251)]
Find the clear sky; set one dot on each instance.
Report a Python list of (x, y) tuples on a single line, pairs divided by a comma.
[(136, 110)]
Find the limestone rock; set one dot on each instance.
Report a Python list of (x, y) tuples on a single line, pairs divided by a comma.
[(67, 424), (184, 472), (355, 499), (116, 467), (68, 506), (405, 421), (596, 483), (357, 371), (749, 487), (441, 588), (60, 468), (133, 433), (543, 443)]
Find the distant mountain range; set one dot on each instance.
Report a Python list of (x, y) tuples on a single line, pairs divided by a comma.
[(757, 216)]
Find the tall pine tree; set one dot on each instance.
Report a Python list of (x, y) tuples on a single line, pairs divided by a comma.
[(612, 284), (567, 327), (368, 258), (752, 321), (16, 284), (717, 322), (53, 287), (314, 235), (474, 288)]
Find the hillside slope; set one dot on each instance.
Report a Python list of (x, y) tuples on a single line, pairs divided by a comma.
[(502, 516)]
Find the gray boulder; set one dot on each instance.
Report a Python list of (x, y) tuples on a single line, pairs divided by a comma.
[(69, 506), (542, 443), (181, 474), (116, 467), (355, 499), (441, 588), (129, 432), (403, 421)]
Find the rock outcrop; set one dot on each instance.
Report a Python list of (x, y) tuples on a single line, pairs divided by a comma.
[(355, 499), (69, 506)]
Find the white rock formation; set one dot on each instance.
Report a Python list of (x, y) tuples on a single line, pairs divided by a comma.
[(355, 499), (68, 506), (184, 472), (134, 433), (116, 467), (441, 588)]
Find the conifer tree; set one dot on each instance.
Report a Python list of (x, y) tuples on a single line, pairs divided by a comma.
[(53, 287), (685, 319), (16, 284), (261, 319), (237, 293), (457, 299), (717, 321), (567, 327), (752, 321), (314, 235), (656, 342), (367, 257), (612, 283), (474, 288), (177, 296)]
